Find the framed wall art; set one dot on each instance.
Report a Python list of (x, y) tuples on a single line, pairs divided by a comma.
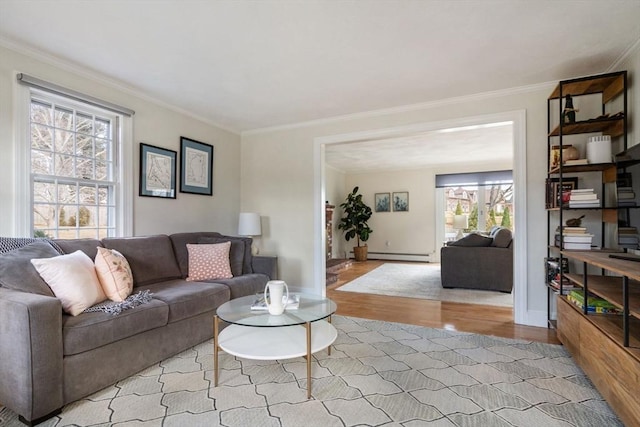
[(157, 172), (196, 167), (401, 201), (383, 202)]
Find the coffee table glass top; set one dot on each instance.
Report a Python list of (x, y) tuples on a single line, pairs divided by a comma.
[(312, 308)]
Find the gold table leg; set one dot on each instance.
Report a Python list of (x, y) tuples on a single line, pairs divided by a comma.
[(308, 326), (329, 348), (215, 350)]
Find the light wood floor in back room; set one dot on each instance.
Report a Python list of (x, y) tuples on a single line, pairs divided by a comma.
[(479, 319)]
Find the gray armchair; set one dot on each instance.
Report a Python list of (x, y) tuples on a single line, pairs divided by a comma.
[(479, 262)]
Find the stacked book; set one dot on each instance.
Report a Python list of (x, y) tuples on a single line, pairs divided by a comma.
[(628, 237), (626, 196), (583, 198), (574, 238), (594, 304)]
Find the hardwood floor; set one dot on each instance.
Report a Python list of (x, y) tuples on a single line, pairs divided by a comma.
[(480, 319)]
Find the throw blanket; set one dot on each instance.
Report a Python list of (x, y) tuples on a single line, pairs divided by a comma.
[(8, 244), (115, 308)]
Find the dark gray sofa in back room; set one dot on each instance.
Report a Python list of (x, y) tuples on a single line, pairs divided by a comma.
[(49, 359), (479, 262)]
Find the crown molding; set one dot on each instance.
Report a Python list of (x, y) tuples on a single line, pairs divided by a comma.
[(625, 55), (406, 108), (47, 58)]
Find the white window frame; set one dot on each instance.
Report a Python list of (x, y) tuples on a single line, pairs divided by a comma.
[(123, 172)]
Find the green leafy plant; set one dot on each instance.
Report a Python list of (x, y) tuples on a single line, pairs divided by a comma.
[(356, 214)]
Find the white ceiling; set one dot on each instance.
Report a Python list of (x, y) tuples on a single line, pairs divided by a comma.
[(246, 65)]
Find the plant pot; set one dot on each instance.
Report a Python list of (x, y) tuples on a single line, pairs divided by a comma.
[(360, 253)]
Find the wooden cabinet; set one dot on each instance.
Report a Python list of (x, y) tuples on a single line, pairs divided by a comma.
[(606, 346)]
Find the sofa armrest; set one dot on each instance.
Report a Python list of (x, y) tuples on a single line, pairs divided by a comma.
[(266, 265), (30, 353)]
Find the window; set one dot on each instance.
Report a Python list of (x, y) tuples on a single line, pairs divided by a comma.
[(73, 161)]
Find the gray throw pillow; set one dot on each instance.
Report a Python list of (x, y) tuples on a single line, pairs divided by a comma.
[(502, 238), (236, 252), (17, 272), (472, 240)]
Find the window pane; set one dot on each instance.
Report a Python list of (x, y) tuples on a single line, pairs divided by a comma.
[(41, 112), (102, 128), (44, 216), (84, 145), (88, 216), (88, 233), (64, 166), (84, 123), (84, 168), (67, 194), (44, 192), (64, 142), (63, 118), (41, 162), (102, 171), (102, 149), (87, 195), (68, 216), (41, 137)]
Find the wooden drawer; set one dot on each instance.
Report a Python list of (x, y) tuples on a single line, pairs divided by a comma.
[(569, 327)]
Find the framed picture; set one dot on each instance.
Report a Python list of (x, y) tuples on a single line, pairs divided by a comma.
[(157, 172), (553, 191), (383, 202), (401, 201), (196, 167)]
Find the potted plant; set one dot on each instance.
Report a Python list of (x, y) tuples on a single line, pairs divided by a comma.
[(354, 222)]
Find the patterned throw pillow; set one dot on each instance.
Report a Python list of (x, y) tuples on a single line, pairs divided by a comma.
[(114, 273), (73, 280), (209, 261)]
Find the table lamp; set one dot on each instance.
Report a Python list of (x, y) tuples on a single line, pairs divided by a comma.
[(249, 226), (460, 222)]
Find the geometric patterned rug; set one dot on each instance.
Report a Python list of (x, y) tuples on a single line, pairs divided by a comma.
[(378, 374), (420, 280)]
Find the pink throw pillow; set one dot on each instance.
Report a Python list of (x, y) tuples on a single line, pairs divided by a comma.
[(209, 261)]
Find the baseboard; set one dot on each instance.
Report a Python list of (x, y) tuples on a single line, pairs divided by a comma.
[(399, 256)]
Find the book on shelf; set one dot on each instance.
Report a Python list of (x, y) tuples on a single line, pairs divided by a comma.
[(578, 238), (627, 230), (566, 287), (575, 162), (578, 246), (583, 196), (594, 304), (567, 230), (291, 304), (583, 204)]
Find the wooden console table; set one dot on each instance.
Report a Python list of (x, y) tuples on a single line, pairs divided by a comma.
[(606, 346)]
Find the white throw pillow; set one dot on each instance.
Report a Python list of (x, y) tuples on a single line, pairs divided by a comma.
[(73, 280), (209, 261), (114, 274)]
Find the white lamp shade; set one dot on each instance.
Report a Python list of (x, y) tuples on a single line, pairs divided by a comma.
[(249, 224), (460, 221)]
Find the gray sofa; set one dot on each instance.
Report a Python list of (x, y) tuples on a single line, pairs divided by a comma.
[(49, 359), (479, 262)]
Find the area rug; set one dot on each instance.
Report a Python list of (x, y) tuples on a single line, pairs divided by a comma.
[(420, 281), (378, 374)]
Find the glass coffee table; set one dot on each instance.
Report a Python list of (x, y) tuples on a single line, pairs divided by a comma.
[(255, 334)]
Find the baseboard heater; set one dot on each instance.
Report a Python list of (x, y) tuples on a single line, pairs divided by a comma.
[(398, 256)]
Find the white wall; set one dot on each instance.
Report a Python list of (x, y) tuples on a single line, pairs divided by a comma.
[(152, 124), (335, 193), (412, 232)]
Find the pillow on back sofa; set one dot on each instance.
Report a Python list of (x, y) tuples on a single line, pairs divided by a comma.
[(209, 261), (236, 252), (472, 240), (16, 271), (114, 274), (73, 279), (501, 238)]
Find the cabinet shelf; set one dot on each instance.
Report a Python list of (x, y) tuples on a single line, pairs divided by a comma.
[(610, 85), (610, 288), (592, 167), (610, 126)]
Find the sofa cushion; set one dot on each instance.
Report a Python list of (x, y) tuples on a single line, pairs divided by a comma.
[(17, 272), (187, 299), (73, 280), (247, 284), (501, 238), (236, 252), (209, 261), (92, 330), (472, 240), (114, 273), (151, 258), (88, 246)]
